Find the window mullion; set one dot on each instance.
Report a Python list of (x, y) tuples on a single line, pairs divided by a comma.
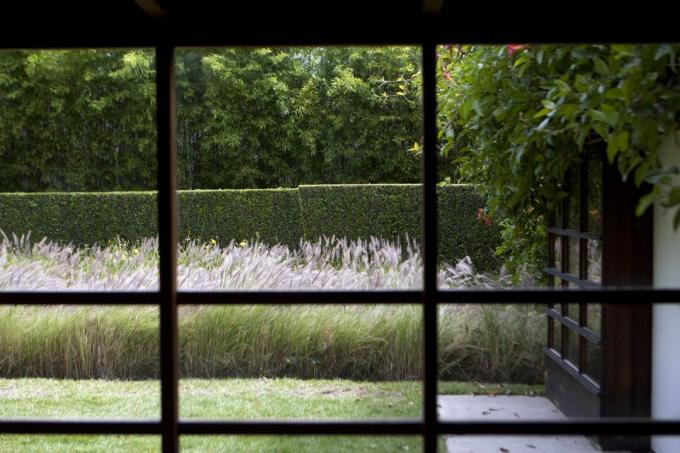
[(167, 243), (429, 164)]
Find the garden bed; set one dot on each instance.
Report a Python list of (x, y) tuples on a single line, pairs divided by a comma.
[(367, 342)]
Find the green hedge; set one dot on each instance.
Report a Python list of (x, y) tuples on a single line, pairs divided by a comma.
[(391, 210), (80, 217), (270, 215)]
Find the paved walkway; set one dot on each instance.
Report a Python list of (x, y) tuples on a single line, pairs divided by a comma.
[(468, 407)]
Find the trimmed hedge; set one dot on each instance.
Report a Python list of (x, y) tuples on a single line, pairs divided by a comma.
[(270, 215), (391, 210), (80, 217)]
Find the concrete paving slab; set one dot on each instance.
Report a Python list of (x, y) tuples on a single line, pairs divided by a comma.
[(468, 407), (515, 444)]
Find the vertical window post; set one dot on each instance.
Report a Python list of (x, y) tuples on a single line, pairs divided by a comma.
[(167, 243), (430, 244)]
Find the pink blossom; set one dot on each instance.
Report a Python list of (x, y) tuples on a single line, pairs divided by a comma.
[(512, 48)]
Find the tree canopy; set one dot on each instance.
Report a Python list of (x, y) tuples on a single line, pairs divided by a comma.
[(83, 120), (514, 119)]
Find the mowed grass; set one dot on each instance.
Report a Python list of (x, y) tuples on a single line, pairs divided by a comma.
[(224, 399)]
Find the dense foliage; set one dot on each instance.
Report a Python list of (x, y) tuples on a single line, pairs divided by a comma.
[(391, 211), (268, 215), (247, 118), (516, 119)]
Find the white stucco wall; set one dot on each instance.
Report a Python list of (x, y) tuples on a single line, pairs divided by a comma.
[(666, 318)]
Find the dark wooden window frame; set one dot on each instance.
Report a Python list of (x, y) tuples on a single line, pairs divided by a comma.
[(560, 233), (170, 427)]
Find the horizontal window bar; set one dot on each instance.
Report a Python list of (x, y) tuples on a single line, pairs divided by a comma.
[(412, 29), (574, 233), (600, 294), (42, 426), (571, 369), (305, 427), (607, 426), (574, 326), (604, 426), (585, 284), (79, 298), (641, 296)]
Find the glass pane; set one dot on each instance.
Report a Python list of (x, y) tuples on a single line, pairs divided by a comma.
[(594, 363), (558, 253), (288, 178), (311, 362), (557, 337), (573, 312), (595, 162), (572, 352), (78, 175), (301, 444), (594, 261), (73, 362), (574, 201), (79, 443), (559, 214), (574, 257), (595, 317)]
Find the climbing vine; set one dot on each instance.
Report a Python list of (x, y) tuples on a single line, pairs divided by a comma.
[(515, 118)]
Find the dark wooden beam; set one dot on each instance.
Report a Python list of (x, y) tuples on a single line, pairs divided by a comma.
[(626, 327), (152, 8)]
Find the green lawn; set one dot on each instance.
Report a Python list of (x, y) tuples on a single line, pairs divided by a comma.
[(227, 399)]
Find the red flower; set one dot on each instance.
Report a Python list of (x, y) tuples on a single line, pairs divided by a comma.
[(512, 48), (483, 217)]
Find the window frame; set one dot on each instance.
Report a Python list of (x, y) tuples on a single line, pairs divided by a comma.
[(559, 232), (169, 426)]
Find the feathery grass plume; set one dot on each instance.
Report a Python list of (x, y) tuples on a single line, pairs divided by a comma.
[(368, 342)]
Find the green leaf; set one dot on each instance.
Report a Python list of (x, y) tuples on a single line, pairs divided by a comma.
[(659, 174), (616, 143), (623, 49), (477, 107), (541, 113), (597, 115), (563, 87), (600, 66), (640, 173), (606, 114), (645, 202), (663, 50), (567, 110), (615, 93), (581, 83), (673, 198)]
